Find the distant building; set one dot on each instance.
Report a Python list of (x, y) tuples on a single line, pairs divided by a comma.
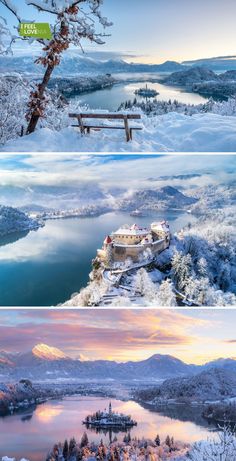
[(131, 242)]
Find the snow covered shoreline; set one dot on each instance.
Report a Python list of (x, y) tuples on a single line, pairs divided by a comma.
[(12, 220)]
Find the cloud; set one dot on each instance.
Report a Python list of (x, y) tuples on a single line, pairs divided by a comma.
[(38, 178), (81, 333)]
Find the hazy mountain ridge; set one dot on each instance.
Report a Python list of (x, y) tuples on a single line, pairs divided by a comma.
[(83, 64), (45, 361)]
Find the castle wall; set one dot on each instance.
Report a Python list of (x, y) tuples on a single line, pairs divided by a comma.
[(128, 239), (121, 252)]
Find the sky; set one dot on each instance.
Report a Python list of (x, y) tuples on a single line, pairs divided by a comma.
[(114, 170), (154, 31), (194, 336), (27, 179)]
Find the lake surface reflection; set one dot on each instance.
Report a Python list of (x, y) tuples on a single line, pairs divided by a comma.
[(32, 434), (111, 98), (47, 266)]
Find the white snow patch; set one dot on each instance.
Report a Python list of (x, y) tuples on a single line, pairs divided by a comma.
[(171, 132)]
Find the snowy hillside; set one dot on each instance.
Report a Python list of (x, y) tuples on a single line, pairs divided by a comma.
[(203, 80), (150, 199), (187, 128), (167, 133), (13, 220), (212, 384)]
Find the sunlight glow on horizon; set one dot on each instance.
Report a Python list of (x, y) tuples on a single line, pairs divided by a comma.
[(123, 335)]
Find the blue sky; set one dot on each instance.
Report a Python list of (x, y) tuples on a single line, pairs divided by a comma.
[(159, 30)]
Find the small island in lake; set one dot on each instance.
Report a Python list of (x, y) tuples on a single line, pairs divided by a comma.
[(146, 92), (103, 419)]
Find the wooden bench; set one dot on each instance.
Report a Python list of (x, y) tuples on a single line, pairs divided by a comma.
[(125, 117)]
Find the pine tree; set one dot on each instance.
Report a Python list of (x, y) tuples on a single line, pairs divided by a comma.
[(84, 440), (66, 450), (168, 442), (72, 446), (157, 440)]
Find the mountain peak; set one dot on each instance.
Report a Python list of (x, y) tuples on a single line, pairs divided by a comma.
[(45, 352)]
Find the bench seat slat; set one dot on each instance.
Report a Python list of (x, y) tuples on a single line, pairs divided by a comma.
[(108, 116), (107, 127)]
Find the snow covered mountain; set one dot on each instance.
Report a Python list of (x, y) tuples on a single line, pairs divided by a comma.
[(49, 362), (13, 220), (44, 352), (215, 383), (190, 76), (74, 65), (151, 199), (218, 63), (205, 81)]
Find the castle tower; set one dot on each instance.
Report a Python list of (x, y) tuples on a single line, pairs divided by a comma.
[(107, 246)]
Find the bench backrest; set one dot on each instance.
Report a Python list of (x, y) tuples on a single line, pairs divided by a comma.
[(108, 116)]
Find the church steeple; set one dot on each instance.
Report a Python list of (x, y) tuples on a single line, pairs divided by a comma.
[(110, 409)]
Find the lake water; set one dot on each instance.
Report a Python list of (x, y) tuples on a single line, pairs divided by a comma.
[(33, 433), (111, 98), (45, 267)]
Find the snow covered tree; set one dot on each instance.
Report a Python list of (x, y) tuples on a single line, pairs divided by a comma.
[(73, 21), (144, 285), (166, 296), (5, 37), (221, 449), (72, 446), (182, 269)]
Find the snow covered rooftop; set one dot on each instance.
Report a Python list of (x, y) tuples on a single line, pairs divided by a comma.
[(161, 226), (134, 230)]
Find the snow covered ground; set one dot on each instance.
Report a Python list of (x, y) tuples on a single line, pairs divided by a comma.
[(172, 132)]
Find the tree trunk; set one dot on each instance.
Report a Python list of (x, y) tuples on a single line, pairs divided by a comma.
[(35, 118)]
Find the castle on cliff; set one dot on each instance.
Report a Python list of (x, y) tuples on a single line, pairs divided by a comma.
[(134, 242)]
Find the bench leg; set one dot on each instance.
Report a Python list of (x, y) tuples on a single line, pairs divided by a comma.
[(127, 129), (88, 130), (80, 122), (130, 134)]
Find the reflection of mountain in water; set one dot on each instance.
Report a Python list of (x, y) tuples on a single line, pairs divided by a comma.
[(185, 413), (13, 237)]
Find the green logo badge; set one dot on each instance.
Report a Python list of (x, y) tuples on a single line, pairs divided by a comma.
[(36, 30)]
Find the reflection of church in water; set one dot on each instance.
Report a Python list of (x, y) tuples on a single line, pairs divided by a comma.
[(109, 422)]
